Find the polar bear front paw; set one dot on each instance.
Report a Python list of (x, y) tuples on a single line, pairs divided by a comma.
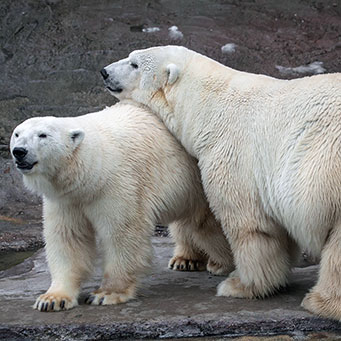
[(322, 305), (106, 297), (233, 287), (54, 301), (179, 263)]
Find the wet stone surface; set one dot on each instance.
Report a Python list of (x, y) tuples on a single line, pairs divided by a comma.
[(169, 304)]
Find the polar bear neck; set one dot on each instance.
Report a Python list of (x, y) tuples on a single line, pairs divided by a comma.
[(67, 182), (202, 82), (192, 108)]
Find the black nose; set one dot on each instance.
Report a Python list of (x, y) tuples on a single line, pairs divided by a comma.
[(104, 74), (19, 153)]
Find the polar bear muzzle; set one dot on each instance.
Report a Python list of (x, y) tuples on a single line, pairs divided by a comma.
[(19, 155), (111, 85)]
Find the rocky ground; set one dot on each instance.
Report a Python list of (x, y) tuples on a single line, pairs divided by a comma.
[(51, 52), (169, 305)]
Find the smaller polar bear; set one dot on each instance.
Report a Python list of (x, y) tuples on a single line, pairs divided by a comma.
[(113, 175), (269, 155)]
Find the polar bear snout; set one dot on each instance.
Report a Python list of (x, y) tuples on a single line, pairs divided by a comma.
[(104, 74), (111, 83), (122, 77), (19, 153), (21, 160)]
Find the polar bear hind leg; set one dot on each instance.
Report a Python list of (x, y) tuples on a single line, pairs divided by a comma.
[(186, 256), (324, 298), (200, 245)]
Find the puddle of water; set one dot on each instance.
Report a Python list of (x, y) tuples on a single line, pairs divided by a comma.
[(11, 258)]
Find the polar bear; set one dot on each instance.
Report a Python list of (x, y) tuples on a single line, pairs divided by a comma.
[(112, 175), (269, 155)]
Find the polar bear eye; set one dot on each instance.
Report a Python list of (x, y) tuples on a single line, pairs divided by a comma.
[(42, 136), (16, 135), (134, 65)]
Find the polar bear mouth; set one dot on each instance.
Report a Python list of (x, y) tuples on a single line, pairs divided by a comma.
[(25, 165), (117, 90)]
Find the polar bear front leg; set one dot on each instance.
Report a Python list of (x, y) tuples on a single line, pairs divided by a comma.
[(70, 247), (127, 255), (262, 261), (259, 245), (324, 298)]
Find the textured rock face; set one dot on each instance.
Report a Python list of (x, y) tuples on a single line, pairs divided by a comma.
[(51, 51)]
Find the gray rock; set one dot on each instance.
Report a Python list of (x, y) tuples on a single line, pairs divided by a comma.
[(169, 305), (51, 51)]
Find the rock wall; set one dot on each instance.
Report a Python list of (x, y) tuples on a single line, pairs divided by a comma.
[(51, 50)]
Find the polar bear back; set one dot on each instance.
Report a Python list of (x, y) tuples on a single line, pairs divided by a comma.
[(126, 153), (142, 153)]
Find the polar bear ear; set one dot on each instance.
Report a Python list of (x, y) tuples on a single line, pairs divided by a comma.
[(173, 73), (76, 136)]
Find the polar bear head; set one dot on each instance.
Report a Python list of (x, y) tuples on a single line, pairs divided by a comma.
[(40, 145), (144, 72)]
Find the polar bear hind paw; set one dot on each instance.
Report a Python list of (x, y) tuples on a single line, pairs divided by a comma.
[(322, 305), (54, 302), (179, 263), (218, 269)]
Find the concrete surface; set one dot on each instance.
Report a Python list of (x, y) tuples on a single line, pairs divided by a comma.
[(170, 304)]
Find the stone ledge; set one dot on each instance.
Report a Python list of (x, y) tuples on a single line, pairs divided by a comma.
[(176, 328), (169, 305)]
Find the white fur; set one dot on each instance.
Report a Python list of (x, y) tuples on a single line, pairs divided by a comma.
[(114, 174), (269, 155)]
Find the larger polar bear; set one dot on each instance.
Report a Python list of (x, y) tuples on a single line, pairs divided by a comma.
[(269, 152), (113, 175)]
